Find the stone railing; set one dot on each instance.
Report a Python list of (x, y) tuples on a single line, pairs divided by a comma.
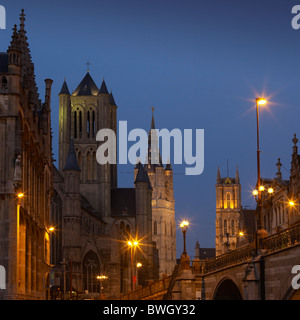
[(152, 291), (283, 239), (232, 257)]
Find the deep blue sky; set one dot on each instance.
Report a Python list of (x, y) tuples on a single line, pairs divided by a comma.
[(198, 62)]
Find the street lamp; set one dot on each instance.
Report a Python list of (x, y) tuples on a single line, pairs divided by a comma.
[(132, 245), (261, 233), (183, 225), (101, 278)]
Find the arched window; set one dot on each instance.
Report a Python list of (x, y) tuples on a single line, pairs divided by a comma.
[(232, 228), (155, 228), (228, 200), (225, 227), (88, 123), (94, 124), (91, 268)]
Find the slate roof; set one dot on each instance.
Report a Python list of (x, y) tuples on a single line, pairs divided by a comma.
[(64, 89), (71, 162), (87, 87), (103, 88)]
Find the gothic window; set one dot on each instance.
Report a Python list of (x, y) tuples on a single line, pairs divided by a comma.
[(88, 123), (228, 200), (95, 166), (155, 228), (77, 122), (94, 124), (91, 268), (225, 227), (75, 125), (232, 228)]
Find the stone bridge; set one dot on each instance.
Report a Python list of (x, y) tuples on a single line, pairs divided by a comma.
[(244, 273)]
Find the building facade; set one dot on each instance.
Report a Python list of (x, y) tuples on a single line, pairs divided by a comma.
[(94, 218), (25, 173)]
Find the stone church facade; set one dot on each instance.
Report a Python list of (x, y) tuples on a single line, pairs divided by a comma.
[(25, 173), (94, 218), (62, 227)]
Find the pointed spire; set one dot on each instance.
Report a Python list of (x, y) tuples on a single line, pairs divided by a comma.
[(22, 20), (152, 120), (103, 88), (278, 173), (295, 141), (237, 176), (87, 87), (218, 176), (111, 99), (71, 162), (64, 89), (142, 176), (15, 42)]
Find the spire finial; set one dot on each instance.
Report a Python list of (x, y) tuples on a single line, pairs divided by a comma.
[(22, 20), (295, 140), (88, 65), (278, 173)]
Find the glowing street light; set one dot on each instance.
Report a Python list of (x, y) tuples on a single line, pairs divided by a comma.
[(261, 232), (131, 245), (183, 225), (270, 190), (20, 195), (51, 229), (101, 278)]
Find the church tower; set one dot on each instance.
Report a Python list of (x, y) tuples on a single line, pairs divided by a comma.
[(163, 209), (228, 208), (82, 114)]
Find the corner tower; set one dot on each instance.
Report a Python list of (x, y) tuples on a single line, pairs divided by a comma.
[(228, 208)]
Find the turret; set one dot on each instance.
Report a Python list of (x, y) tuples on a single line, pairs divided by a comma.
[(64, 123), (278, 173)]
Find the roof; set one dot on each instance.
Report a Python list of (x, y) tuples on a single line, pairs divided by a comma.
[(64, 89), (103, 88), (123, 202), (87, 87), (142, 176), (3, 62), (112, 100), (71, 162)]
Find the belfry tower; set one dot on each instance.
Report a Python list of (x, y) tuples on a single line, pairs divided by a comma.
[(228, 208)]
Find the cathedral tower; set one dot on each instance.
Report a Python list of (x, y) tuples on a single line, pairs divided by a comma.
[(163, 209), (228, 208)]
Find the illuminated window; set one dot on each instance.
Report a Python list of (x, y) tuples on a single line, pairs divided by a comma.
[(228, 200)]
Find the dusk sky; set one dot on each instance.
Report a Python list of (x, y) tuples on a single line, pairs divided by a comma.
[(201, 64)]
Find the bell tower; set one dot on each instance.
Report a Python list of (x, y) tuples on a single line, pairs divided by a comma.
[(228, 208)]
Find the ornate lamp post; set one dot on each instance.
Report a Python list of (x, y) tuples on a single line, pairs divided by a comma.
[(261, 233), (132, 245), (184, 257)]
